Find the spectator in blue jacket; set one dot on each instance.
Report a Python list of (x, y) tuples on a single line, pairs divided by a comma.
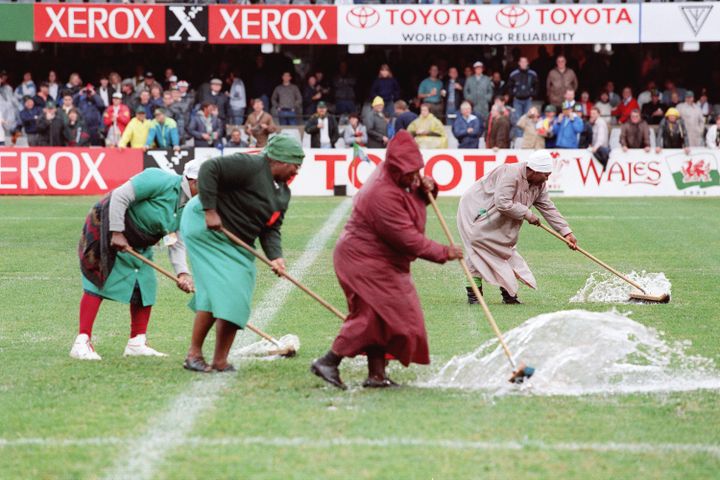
[(523, 87), (91, 107), (387, 88), (568, 127), (29, 117), (403, 116), (163, 132), (467, 127)]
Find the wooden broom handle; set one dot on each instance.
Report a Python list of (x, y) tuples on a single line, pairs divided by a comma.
[(593, 258), (235, 239), (474, 287), (171, 276), (154, 265), (264, 335)]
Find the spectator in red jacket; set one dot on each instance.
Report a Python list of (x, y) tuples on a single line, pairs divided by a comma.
[(626, 106), (115, 118)]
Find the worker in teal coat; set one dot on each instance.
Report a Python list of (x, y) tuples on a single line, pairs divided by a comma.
[(248, 195), (138, 214)]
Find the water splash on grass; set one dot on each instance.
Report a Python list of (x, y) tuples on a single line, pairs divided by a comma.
[(577, 352), (603, 287)]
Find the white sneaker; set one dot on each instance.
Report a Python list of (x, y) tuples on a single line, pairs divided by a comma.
[(82, 349), (138, 347)]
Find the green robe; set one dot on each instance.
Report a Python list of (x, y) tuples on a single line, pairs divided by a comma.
[(251, 205), (156, 211)]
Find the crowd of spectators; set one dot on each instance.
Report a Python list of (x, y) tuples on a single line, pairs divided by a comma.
[(525, 105)]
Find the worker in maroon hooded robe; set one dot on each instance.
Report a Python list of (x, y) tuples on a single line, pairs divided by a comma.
[(385, 233)]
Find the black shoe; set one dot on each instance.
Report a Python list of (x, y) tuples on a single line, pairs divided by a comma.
[(328, 372), (375, 383), (226, 369), (509, 299), (196, 364), (472, 298)]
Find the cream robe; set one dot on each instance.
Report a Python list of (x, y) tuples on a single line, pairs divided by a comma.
[(489, 218), (694, 123)]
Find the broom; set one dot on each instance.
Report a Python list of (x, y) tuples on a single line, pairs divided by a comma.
[(520, 370), (238, 241), (640, 294), (289, 350)]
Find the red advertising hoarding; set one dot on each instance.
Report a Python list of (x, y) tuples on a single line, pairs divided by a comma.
[(281, 24), (66, 171), (92, 23)]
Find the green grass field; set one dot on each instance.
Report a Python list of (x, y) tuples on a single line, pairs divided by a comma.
[(61, 418)]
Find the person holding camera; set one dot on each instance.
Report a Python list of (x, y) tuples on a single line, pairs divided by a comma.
[(531, 138), (568, 127), (50, 127)]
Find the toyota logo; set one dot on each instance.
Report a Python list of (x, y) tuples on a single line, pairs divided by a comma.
[(363, 17), (512, 17)]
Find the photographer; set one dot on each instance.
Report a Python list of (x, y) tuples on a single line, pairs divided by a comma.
[(50, 127), (568, 127), (90, 107), (531, 139)]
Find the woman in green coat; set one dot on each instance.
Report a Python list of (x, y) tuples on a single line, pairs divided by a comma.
[(248, 195), (137, 215)]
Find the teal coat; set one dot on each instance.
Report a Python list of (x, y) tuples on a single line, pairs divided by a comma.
[(156, 211)]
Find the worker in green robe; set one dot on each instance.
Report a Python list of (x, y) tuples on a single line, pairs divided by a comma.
[(137, 215), (248, 195)]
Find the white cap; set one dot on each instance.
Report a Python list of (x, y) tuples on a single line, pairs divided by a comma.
[(117, 95), (192, 168), (477, 64), (541, 161), (173, 78)]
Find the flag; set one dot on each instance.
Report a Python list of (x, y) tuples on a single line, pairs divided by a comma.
[(694, 170), (359, 154)]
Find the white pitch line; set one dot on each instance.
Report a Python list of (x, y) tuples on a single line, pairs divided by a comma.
[(171, 428), (442, 444)]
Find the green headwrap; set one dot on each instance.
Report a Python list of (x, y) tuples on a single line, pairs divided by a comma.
[(283, 148)]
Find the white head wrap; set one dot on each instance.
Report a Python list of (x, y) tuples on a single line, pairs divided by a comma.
[(541, 161), (191, 170)]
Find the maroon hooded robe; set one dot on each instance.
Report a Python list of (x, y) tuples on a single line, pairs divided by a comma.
[(386, 232)]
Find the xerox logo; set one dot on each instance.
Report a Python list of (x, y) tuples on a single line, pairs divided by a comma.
[(512, 17), (363, 17), (273, 24), (187, 24), (101, 23)]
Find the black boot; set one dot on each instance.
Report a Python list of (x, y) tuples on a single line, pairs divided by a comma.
[(326, 367), (376, 369), (509, 299), (472, 298)]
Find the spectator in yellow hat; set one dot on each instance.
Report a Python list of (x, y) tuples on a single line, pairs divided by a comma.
[(671, 132), (377, 124)]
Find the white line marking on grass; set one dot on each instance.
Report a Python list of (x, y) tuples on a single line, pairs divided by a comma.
[(444, 444), (170, 428)]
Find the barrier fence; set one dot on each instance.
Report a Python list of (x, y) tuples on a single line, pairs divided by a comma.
[(395, 24), (95, 171)]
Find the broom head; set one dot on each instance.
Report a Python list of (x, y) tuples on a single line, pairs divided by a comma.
[(644, 297), (521, 373)]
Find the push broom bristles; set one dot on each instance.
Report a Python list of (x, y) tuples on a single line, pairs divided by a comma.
[(286, 346), (644, 297)]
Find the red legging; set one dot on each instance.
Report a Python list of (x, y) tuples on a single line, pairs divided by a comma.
[(90, 304)]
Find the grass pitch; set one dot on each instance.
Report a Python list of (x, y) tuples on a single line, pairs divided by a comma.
[(61, 418)]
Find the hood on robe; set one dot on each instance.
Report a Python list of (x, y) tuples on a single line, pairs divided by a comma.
[(402, 155)]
